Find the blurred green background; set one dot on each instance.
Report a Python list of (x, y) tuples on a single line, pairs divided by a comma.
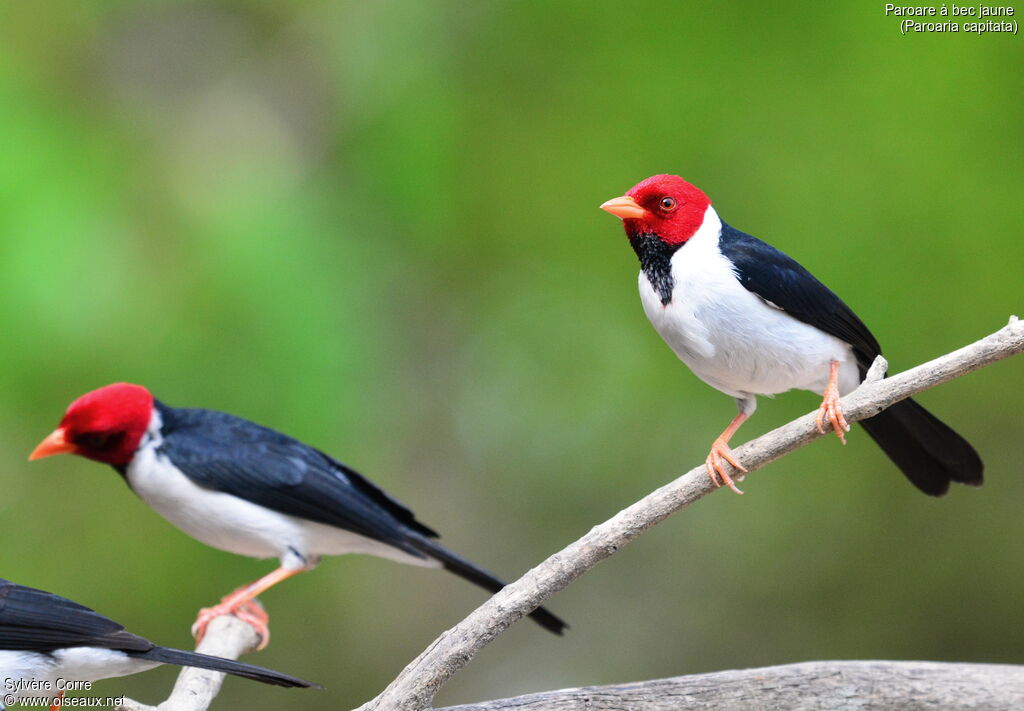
[(374, 226)]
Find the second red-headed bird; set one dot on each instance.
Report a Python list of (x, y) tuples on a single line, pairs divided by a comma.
[(748, 320), (250, 490)]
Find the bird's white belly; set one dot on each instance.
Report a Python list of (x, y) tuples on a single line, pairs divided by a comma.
[(213, 517), (731, 338), (19, 669), (76, 664), (92, 663), (238, 526)]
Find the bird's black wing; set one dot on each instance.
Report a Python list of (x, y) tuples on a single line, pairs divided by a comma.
[(232, 455), (39, 621), (779, 279)]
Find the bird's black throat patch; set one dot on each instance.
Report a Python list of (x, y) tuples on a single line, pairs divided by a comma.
[(656, 262)]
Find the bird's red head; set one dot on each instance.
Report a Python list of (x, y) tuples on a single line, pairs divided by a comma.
[(105, 425), (663, 205)]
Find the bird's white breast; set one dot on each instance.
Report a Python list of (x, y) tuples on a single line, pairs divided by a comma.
[(235, 525), (729, 336)]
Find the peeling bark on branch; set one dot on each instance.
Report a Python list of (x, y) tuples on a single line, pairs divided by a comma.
[(415, 687), (810, 686), (228, 637)]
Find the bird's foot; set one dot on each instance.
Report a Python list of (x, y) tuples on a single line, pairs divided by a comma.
[(831, 409), (720, 451), (249, 611), (242, 604), (57, 701)]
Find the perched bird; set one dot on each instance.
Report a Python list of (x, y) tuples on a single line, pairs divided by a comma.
[(748, 320), (250, 490), (45, 638)]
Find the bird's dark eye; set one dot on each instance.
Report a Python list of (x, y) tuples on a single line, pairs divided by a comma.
[(98, 441), (667, 203)]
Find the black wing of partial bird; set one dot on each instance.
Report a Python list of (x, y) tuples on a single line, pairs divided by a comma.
[(780, 280), (229, 454), (34, 620)]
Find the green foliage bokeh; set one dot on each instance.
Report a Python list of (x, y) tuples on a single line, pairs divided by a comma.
[(374, 226)]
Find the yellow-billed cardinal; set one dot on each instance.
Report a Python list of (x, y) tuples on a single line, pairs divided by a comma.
[(47, 641), (250, 490), (749, 321)]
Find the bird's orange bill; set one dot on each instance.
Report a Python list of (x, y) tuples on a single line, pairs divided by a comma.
[(624, 207), (55, 443)]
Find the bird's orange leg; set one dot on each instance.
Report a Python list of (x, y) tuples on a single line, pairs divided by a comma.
[(241, 603), (56, 705), (831, 407), (720, 450)]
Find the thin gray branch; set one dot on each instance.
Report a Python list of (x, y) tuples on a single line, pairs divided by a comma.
[(228, 637), (810, 686), (415, 687)]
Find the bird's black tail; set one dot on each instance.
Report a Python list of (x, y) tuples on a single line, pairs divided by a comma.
[(928, 452), (165, 655), (478, 576)]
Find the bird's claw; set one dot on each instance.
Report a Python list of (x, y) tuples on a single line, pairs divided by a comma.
[(205, 617), (719, 451), (251, 612), (832, 410)]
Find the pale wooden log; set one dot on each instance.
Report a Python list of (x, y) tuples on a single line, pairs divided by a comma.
[(809, 686)]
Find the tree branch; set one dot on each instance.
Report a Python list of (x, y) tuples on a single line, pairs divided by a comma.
[(228, 637), (415, 687), (810, 686)]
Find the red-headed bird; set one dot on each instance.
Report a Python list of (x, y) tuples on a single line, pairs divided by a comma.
[(748, 320), (250, 490), (46, 639)]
